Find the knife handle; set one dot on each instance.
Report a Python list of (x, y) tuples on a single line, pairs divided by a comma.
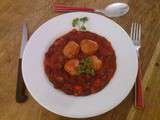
[(20, 90)]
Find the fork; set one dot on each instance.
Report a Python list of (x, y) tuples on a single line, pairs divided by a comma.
[(136, 37)]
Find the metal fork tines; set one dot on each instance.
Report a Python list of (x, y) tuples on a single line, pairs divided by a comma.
[(136, 34)]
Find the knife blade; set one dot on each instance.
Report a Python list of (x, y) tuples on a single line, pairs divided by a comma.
[(20, 88)]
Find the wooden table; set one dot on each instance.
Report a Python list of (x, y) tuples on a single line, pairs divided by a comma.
[(36, 12)]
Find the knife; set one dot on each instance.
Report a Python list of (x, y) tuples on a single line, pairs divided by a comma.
[(20, 89)]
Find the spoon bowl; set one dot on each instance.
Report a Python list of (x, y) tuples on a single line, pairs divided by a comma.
[(114, 10)]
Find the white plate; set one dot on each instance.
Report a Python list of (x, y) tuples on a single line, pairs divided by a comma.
[(79, 107)]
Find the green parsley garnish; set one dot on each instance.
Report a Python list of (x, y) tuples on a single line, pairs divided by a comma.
[(75, 22), (86, 67), (83, 28), (84, 19), (80, 23)]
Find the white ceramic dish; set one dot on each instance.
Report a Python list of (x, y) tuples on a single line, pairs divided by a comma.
[(79, 107)]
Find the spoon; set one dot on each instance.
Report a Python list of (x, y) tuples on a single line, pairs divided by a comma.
[(112, 10)]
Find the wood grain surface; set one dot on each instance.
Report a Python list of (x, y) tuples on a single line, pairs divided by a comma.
[(35, 12)]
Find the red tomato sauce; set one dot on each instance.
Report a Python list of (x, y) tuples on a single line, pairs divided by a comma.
[(83, 84)]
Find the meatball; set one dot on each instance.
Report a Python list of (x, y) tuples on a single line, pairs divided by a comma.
[(71, 49), (97, 63), (88, 47), (71, 66)]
